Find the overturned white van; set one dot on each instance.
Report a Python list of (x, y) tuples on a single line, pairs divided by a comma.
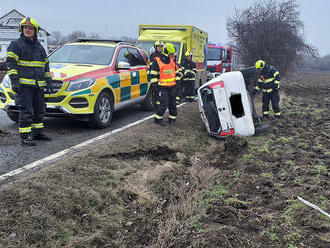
[(225, 106)]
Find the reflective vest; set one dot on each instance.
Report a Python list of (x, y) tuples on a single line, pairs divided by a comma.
[(166, 73)]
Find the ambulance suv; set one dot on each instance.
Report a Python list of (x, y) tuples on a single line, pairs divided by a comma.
[(92, 78)]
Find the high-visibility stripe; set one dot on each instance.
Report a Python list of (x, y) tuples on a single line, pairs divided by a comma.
[(47, 74), (31, 82), (153, 72), (257, 88), (172, 117), (267, 90), (12, 72), (260, 80), (31, 63), (269, 80), (277, 113), (24, 129), (37, 125), (158, 117), (266, 112), (12, 55), (277, 82), (168, 80), (276, 73), (158, 102), (153, 80)]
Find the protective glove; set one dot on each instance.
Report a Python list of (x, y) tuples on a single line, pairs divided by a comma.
[(253, 93), (49, 88), (16, 88)]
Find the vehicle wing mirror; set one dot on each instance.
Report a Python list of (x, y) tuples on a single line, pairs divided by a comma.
[(123, 65)]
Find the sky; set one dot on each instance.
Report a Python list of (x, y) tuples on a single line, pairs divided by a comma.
[(117, 18)]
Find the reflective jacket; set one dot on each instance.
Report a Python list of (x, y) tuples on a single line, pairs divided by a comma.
[(153, 56), (28, 63), (164, 71), (268, 79), (189, 69)]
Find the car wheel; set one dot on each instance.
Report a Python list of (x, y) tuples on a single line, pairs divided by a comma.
[(149, 103), (103, 111), (13, 115)]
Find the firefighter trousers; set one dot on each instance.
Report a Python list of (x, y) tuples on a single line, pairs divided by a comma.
[(189, 85), (273, 97), (31, 104), (167, 99)]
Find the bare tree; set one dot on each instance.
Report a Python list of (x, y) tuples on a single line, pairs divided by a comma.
[(94, 36), (56, 38), (271, 31), (75, 35), (128, 39)]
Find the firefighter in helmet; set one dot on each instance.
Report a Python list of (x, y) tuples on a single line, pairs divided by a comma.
[(29, 74), (189, 68), (269, 83), (158, 46), (165, 73)]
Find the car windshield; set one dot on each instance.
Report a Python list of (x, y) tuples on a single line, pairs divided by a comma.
[(83, 54), (147, 45), (213, 53)]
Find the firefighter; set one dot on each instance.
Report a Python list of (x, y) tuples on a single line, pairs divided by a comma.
[(179, 81), (158, 46), (269, 82), (29, 74), (189, 68), (165, 72)]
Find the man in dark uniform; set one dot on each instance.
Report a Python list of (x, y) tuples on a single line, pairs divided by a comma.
[(189, 68), (164, 72), (29, 74), (158, 51), (269, 82)]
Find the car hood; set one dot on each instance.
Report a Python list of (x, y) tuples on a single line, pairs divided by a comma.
[(62, 71)]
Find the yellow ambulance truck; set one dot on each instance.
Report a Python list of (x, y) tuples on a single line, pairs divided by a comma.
[(184, 38)]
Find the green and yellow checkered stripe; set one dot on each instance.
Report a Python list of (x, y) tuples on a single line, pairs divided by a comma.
[(128, 85)]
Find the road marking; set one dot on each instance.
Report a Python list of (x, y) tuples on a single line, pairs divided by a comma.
[(71, 149)]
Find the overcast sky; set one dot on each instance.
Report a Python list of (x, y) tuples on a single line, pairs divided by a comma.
[(116, 18)]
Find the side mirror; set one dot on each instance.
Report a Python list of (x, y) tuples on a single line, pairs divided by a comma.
[(123, 65)]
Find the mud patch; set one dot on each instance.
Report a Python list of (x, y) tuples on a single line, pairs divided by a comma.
[(157, 154)]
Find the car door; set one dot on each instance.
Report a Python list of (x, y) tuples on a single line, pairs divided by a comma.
[(124, 75), (139, 83)]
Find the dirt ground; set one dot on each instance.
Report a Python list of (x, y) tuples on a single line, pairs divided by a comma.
[(178, 187)]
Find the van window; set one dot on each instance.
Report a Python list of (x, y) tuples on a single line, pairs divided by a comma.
[(214, 53)]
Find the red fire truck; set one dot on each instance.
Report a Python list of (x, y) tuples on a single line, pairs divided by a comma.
[(220, 59)]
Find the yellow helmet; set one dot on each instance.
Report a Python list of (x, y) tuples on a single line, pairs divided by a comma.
[(260, 64), (159, 43), (188, 54), (168, 48), (28, 21)]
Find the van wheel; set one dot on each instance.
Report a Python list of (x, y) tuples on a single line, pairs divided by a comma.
[(149, 103), (13, 115), (103, 111)]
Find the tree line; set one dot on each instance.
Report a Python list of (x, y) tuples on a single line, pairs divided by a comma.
[(57, 38)]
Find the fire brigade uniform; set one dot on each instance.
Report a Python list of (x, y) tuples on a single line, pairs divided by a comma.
[(179, 83), (155, 53), (29, 74), (189, 70), (269, 83), (164, 72)]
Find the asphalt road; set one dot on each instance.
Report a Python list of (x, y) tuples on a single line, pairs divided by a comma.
[(65, 133)]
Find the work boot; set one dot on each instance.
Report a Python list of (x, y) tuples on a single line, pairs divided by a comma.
[(41, 136), (265, 117), (277, 116), (28, 141), (160, 122), (171, 121)]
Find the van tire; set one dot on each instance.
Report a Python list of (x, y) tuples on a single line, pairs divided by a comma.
[(103, 111), (13, 115)]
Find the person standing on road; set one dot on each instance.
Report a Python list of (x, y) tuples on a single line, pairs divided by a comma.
[(165, 72), (269, 82), (179, 77), (29, 74), (189, 68), (158, 51)]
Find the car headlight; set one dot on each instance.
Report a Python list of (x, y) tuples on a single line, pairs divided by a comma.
[(6, 81), (79, 84)]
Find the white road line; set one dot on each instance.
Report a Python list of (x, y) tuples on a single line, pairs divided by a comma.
[(71, 149)]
